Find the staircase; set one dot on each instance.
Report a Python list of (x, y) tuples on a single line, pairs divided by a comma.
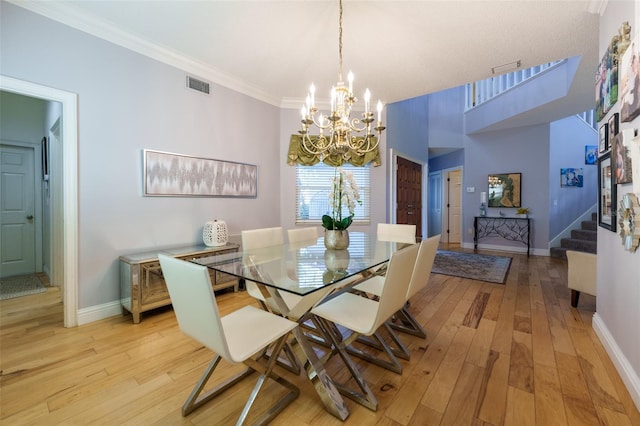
[(583, 239)]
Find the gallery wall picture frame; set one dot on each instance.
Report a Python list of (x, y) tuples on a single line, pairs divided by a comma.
[(603, 138), (168, 174), (571, 177), (505, 190), (606, 82), (590, 154), (630, 81), (44, 150), (606, 193), (620, 160), (612, 126)]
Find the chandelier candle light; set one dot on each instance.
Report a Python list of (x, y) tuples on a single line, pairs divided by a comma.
[(339, 124)]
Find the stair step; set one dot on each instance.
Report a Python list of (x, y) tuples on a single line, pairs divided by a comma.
[(584, 234), (579, 245), (589, 225), (558, 253)]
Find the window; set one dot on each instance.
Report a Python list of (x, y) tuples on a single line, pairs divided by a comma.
[(313, 185)]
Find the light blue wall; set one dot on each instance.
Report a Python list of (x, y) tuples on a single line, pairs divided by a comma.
[(523, 150), (568, 140), (446, 119), (537, 152), (128, 102), (447, 161), (407, 128)]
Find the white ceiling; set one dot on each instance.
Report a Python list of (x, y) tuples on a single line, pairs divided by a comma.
[(273, 50)]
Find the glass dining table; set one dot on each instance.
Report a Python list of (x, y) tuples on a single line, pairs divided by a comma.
[(313, 273)]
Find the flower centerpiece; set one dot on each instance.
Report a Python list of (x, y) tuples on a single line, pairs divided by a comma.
[(344, 194)]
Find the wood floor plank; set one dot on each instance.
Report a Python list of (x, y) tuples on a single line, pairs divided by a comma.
[(532, 360), (520, 408), (548, 396)]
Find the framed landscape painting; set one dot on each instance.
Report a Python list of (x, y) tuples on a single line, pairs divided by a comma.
[(504, 190)]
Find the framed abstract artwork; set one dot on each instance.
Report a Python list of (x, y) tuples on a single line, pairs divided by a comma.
[(167, 174), (630, 82), (590, 154), (504, 190), (606, 193), (571, 177), (606, 82)]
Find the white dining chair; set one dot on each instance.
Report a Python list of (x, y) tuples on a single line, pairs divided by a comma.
[(254, 239), (404, 319), (363, 317), (303, 235), (236, 337), (398, 232), (260, 238)]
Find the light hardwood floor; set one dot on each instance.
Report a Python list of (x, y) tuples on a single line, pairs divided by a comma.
[(513, 354)]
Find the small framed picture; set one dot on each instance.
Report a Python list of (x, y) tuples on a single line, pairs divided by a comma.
[(590, 154), (606, 193), (603, 138), (613, 127)]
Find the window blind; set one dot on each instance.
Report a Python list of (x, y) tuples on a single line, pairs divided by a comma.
[(313, 186)]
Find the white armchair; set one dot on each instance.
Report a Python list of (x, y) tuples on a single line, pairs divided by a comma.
[(581, 274)]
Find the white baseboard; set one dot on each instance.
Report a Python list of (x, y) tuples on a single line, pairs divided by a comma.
[(99, 312), (628, 375), (512, 249)]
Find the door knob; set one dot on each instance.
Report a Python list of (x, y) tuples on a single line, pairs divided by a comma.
[(29, 217)]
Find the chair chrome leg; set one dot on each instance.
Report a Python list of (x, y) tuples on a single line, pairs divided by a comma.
[(399, 349), (392, 364), (409, 324), (366, 396), (267, 372), (194, 401)]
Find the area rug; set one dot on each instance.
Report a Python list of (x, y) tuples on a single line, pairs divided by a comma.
[(470, 265), (21, 285)]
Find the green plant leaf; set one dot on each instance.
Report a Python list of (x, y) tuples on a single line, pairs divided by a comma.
[(327, 222)]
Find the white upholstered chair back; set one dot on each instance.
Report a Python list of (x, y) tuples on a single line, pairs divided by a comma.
[(263, 237), (302, 235), (424, 264), (396, 284), (400, 233), (194, 303)]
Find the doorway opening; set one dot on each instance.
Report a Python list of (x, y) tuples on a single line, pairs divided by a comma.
[(65, 220)]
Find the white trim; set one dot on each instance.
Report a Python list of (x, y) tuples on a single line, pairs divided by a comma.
[(99, 312), (509, 249), (67, 15), (624, 368), (69, 103)]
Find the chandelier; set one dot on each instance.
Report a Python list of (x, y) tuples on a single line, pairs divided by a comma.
[(344, 135)]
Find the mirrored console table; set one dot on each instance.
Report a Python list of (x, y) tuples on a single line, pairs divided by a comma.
[(142, 286), (509, 228)]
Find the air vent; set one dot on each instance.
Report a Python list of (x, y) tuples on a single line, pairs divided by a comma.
[(199, 85)]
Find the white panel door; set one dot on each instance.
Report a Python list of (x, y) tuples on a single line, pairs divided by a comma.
[(455, 210), (17, 203)]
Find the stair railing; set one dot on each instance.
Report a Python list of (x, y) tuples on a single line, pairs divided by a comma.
[(483, 90)]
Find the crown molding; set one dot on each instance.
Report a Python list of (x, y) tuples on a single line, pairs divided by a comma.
[(597, 6), (71, 17)]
